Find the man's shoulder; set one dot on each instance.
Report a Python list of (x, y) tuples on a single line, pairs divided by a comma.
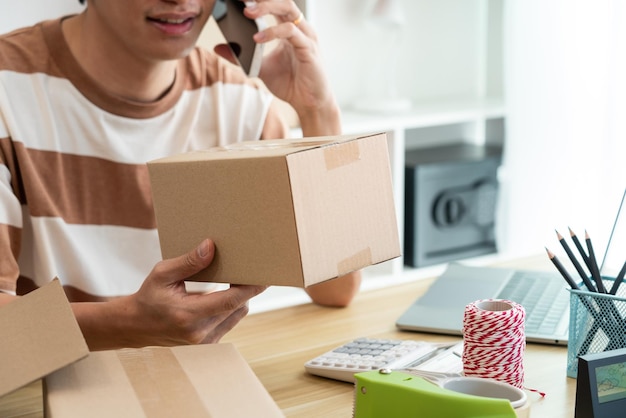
[(24, 49)]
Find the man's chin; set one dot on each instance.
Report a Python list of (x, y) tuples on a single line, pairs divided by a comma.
[(174, 53)]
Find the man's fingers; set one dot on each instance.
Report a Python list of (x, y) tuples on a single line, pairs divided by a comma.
[(226, 325), (222, 301), (180, 268), (222, 309)]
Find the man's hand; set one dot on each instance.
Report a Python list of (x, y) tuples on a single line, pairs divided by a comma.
[(162, 312), (293, 69)]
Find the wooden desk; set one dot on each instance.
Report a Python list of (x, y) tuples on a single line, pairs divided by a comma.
[(278, 343)]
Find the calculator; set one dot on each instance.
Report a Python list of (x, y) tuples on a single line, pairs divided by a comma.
[(365, 354)]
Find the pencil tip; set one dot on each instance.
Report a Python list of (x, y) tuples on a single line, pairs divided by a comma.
[(549, 252), (570, 231), (558, 235)]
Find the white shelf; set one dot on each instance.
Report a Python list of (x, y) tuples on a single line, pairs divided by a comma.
[(435, 113)]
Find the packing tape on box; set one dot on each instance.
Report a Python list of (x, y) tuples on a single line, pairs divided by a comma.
[(160, 383), (342, 154), (355, 262)]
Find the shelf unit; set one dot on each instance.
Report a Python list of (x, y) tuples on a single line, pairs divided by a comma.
[(450, 68)]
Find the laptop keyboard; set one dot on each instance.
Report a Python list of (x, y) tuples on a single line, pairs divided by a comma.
[(545, 302)]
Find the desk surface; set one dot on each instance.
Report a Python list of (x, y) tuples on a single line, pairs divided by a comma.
[(276, 344)]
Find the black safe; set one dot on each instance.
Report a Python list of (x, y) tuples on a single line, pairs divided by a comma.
[(450, 203)]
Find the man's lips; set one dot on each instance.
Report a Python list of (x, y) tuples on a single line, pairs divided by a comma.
[(173, 25)]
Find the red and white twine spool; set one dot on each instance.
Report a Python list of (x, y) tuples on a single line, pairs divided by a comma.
[(494, 341)]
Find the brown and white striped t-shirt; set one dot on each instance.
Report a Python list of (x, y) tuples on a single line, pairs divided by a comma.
[(74, 190)]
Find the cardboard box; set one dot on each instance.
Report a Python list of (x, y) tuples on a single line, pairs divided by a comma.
[(187, 381), (39, 335), (283, 212)]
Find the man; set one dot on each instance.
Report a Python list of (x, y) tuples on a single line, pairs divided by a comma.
[(85, 101)]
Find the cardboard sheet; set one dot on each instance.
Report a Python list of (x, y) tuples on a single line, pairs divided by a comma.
[(39, 335)]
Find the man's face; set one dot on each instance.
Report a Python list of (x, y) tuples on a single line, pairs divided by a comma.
[(153, 30)]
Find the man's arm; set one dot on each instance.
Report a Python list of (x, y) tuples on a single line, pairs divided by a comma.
[(5, 298), (161, 312), (337, 292)]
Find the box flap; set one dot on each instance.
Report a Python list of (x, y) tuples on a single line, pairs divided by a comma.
[(39, 335), (256, 149), (210, 380)]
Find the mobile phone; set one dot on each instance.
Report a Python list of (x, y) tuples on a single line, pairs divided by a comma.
[(238, 31)]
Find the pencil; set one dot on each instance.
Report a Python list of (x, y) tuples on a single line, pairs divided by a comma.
[(562, 270), (574, 260), (595, 271), (579, 247), (618, 280), (582, 252)]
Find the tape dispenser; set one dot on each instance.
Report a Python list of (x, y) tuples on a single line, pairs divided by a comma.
[(398, 394)]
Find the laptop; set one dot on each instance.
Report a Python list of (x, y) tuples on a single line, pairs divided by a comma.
[(543, 295)]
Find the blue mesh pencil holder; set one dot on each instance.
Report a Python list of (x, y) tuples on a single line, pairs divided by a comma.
[(597, 323)]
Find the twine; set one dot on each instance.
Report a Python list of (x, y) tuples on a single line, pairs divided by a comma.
[(494, 341)]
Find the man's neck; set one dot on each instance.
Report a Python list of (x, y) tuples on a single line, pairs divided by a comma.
[(139, 81)]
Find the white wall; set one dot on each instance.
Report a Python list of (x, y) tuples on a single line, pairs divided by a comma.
[(564, 88), (20, 13), (566, 130), (438, 39)]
